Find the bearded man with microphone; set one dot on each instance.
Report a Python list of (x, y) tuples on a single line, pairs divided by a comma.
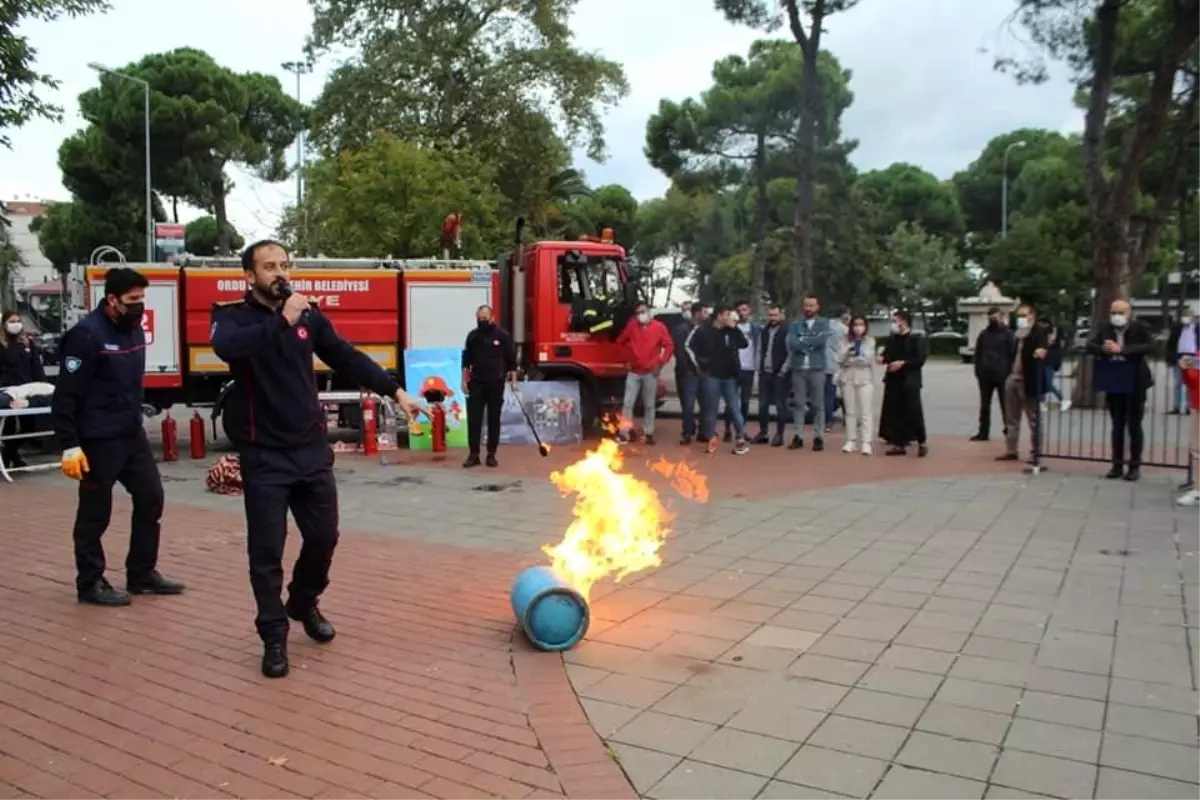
[(275, 420)]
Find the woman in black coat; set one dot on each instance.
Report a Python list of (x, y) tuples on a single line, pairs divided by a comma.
[(20, 362)]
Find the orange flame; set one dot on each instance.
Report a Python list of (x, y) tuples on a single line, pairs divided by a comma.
[(684, 479)]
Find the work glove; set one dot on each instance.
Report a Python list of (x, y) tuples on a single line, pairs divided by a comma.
[(74, 463)]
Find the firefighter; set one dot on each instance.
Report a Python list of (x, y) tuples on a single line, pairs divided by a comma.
[(488, 360), (276, 422), (97, 417)]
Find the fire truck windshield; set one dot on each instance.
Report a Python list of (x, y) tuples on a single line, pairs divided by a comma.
[(597, 288)]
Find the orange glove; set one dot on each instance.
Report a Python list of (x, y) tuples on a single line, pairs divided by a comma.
[(74, 464)]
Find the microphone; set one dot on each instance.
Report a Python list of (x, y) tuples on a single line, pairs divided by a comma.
[(285, 291)]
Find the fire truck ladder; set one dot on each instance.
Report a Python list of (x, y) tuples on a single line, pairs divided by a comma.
[(402, 264)]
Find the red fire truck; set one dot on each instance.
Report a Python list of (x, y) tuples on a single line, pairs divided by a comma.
[(542, 292)]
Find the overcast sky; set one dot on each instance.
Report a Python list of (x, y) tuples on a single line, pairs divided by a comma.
[(924, 93)]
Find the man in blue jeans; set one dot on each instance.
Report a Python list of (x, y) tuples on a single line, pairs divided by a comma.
[(773, 380), (807, 343), (714, 351), (687, 382)]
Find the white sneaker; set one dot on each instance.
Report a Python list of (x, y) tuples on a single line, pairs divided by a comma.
[(848, 447), (1191, 498), (1065, 405), (866, 449)]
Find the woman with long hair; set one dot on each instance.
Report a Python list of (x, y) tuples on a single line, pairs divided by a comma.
[(20, 363), (857, 379)]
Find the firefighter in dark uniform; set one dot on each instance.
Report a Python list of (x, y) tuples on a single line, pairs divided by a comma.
[(276, 422), (97, 417), (488, 359)]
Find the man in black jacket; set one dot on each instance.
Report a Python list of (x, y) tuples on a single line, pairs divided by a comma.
[(714, 350), (1023, 384), (1122, 347), (488, 359), (687, 382), (993, 362), (773, 380)]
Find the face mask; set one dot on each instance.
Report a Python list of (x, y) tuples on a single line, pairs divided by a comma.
[(131, 316), (484, 323), (1118, 320), (1022, 323), (643, 318), (896, 328), (1185, 321), (859, 330), (13, 328)]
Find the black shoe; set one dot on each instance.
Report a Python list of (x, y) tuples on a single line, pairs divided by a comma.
[(818, 445), (275, 660), (728, 437), (1175, 412), (685, 440), (315, 625), (1009, 457), (762, 438), (777, 441), (1134, 473), (796, 444), (471, 461), (922, 450), (1187, 486), (1115, 473), (649, 439), (491, 460), (103, 593), (980, 437), (895, 451), (154, 583)]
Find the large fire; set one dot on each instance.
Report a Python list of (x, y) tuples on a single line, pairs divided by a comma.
[(620, 522)]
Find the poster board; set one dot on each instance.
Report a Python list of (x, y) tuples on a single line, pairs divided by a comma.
[(442, 367), (554, 408)]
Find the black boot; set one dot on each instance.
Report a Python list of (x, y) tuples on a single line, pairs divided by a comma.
[(103, 593), (471, 461), (275, 659), (154, 583), (315, 625), (491, 460)]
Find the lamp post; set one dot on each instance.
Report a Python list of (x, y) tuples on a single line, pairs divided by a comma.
[(299, 68), (146, 109), (1004, 189)]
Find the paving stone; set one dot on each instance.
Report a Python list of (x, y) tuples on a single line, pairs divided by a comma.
[(1050, 776), (745, 751), (779, 721), (700, 703), (644, 767), (1074, 711), (1000, 649), (889, 709), (1011, 631), (900, 599), (1152, 695), (1117, 784), (607, 718), (692, 646), (1163, 759), (1071, 684), (1151, 724), (1059, 741), (950, 756), (781, 637), (990, 670), (826, 606), (851, 775), (932, 638), (1005, 793), (691, 779), (782, 790), (668, 734), (964, 723), (628, 690), (805, 620), (848, 648), (917, 658), (903, 783), (831, 670), (907, 682), (850, 735), (748, 612), (583, 677)]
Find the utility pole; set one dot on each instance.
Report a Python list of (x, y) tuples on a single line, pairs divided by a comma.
[(299, 69), (146, 145)]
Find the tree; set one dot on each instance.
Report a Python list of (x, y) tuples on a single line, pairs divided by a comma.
[(497, 78), (389, 198), (924, 272), (561, 189), (203, 117), (668, 236), (610, 206), (68, 232), (19, 79), (750, 112), (765, 14), (10, 260), (907, 193), (200, 237)]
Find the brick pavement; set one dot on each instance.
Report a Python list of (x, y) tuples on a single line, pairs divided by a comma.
[(425, 693)]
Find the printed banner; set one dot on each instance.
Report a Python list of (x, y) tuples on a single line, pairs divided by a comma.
[(552, 405), (439, 369)]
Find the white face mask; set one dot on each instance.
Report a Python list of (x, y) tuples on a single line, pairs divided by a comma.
[(13, 328), (1185, 321), (1022, 323), (1118, 320), (643, 318)]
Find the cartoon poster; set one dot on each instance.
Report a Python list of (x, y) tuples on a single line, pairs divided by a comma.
[(552, 405), (437, 369)]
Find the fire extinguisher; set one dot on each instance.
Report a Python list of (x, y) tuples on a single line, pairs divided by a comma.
[(196, 437), (438, 429), (170, 439), (370, 432)]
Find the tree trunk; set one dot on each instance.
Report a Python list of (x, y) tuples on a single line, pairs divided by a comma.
[(758, 256), (175, 210), (1112, 280), (219, 213)]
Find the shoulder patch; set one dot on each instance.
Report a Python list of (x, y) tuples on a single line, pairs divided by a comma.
[(241, 301)]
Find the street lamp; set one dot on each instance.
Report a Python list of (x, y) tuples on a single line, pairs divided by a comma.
[(146, 110), (1004, 189), (299, 68)]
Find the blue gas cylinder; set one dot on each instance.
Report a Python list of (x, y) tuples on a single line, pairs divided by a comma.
[(552, 613)]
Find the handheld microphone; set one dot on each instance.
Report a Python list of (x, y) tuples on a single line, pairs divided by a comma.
[(286, 291)]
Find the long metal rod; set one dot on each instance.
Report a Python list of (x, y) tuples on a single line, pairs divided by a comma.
[(146, 144)]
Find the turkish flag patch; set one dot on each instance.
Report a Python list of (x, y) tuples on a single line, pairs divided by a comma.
[(302, 332)]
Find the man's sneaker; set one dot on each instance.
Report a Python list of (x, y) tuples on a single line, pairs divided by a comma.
[(315, 625), (103, 593), (711, 445), (1009, 457), (796, 444), (471, 461), (922, 450), (980, 437), (848, 447), (777, 440), (154, 583), (728, 437), (649, 438), (685, 440), (740, 448), (275, 660), (762, 438), (866, 449), (1191, 498), (1115, 473), (818, 445), (491, 460), (1065, 405)]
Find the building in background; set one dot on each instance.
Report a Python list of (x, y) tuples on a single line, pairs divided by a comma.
[(32, 282)]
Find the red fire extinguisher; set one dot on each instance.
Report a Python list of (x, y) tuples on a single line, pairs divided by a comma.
[(370, 432), (170, 439), (438, 429), (196, 438)]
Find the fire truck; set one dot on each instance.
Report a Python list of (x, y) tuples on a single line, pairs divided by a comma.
[(548, 294)]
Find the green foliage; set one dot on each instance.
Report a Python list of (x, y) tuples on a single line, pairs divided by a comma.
[(907, 193), (589, 214), (389, 198), (68, 232), (924, 273), (20, 81), (200, 237)]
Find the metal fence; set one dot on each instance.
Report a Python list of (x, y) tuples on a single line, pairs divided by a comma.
[(1071, 433)]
